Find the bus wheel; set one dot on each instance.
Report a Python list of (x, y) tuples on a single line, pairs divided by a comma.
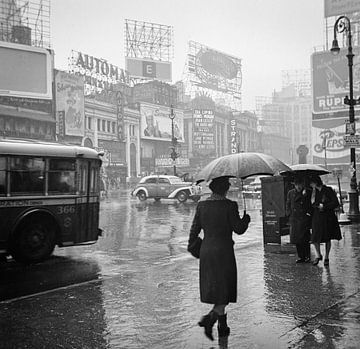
[(182, 196), (34, 240), (141, 195)]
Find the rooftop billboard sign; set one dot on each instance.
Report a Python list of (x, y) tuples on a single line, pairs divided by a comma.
[(330, 80), (99, 74), (148, 69), (26, 71)]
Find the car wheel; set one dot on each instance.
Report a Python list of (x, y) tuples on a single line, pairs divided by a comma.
[(141, 195), (182, 196), (34, 240)]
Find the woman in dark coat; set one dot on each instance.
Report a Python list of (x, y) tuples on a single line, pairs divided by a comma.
[(325, 226), (218, 217), (298, 208)]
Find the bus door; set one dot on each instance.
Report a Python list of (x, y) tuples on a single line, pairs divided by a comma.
[(87, 201)]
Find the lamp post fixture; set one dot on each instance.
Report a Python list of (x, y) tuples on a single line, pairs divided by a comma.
[(343, 24), (173, 154)]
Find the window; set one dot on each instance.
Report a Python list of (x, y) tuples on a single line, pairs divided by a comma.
[(98, 124), (27, 176), (61, 176), (103, 125), (94, 180), (151, 181), (113, 127), (108, 126), (2, 176), (89, 122), (83, 179), (164, 181)]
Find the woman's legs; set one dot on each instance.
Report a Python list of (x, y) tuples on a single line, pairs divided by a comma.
[(327, 249), (219, 309), (223, 328), (317, 249)]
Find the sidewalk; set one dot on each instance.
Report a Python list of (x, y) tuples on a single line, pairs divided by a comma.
[(325, 301)]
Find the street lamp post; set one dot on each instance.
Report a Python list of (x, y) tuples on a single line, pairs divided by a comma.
[(343, 24), (173, 154)]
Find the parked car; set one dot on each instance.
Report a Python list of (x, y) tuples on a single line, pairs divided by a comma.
[(166, 187)]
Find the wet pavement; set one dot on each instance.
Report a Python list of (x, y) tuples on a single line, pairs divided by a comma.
[(138, 288)]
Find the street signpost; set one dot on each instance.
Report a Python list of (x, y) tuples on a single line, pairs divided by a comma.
[(352, 141)]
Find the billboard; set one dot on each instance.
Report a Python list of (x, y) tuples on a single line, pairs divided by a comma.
[(328, 135), (26, 71), (148, 69), (213, 69), (330, 80), (340, 7), (99, 74), (156, 124), (203, 132), (70, 107)]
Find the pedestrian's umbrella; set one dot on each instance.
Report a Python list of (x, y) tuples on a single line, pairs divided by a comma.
[(305, 170), (241, 165)]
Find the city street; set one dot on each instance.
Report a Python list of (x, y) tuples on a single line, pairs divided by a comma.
[(137, 287)]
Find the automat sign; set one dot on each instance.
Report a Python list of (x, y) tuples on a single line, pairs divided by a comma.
[(98, 73)]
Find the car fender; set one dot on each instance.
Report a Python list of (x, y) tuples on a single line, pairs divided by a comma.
[(135, 191), (176, 191)]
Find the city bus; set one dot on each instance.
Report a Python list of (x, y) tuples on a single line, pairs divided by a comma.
[(49, 195)]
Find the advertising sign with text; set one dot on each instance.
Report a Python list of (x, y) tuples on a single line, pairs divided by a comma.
[(203, 132), (69, 90), (330, 80), (156, 123), (328, 142)]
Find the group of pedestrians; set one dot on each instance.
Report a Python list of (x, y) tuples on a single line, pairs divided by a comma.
[(312, 217), (312, 220)]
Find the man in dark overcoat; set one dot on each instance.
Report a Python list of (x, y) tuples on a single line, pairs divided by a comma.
[(298, 209)]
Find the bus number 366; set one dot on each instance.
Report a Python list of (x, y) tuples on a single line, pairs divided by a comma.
[(65, 209)]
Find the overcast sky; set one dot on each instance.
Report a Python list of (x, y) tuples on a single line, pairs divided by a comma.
[(268, 35)]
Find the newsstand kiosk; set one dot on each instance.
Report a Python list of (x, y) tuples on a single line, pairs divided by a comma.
[(273, 195)]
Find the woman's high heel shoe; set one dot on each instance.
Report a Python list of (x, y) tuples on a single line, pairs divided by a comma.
[(317, 260), (208, 321)]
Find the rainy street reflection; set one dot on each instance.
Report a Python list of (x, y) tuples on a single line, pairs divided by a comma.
[(138, 287)]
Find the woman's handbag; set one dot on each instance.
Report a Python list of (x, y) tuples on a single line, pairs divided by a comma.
[(194, 247)]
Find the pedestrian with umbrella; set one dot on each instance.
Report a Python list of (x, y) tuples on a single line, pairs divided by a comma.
[(325, 225), (218, 217), (298, 209)]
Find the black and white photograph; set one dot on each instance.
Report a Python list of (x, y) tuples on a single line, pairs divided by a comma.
[(179, 174)]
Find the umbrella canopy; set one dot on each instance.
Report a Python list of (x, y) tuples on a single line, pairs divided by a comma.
[(241, 165), (306, 170)]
